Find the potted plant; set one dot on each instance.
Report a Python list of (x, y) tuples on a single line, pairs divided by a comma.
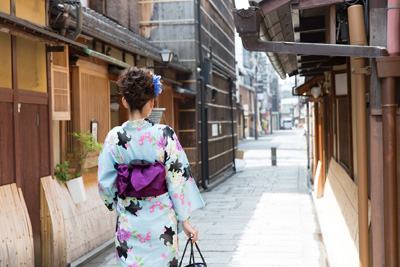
[(156, 114), (74, 182)]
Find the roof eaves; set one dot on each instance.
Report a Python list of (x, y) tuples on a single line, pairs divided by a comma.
[(20, 26), (103, 28)]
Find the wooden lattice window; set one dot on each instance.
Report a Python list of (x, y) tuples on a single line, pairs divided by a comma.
[(60, 86), (343, 126)]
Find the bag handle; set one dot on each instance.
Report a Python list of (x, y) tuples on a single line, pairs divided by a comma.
[(184, 251), (191, 253), (198, 249)]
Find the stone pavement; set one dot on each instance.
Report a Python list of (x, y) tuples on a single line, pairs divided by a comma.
[(263, 216)]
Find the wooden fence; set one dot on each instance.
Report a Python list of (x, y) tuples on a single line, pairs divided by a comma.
[(16, 237), (70, 231)]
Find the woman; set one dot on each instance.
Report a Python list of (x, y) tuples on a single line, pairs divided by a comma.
[(144, 174)]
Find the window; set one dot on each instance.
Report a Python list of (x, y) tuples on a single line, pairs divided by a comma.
[(342, 127), (97, 5)]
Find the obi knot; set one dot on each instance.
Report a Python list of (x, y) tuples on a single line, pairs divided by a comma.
[(141, 178)]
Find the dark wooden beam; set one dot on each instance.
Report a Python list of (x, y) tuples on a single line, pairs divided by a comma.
[(313, 37), (57, 48), (312, 72), (309, 59), (309, 65), (311, 24), (303, 4)]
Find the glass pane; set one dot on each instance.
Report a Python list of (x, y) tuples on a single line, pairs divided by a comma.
[(31, 65), (5, 61)]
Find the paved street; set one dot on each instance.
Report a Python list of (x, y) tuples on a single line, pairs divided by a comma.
[(263, 216)]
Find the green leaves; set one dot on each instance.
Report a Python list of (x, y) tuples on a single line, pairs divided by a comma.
[(61, 172), (87, 145)]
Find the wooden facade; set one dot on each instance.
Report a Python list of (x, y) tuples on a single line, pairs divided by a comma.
[(50, 88), (25, 120), (353, 161)]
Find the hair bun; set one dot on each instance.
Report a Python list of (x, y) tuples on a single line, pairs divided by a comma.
[(136, 86)]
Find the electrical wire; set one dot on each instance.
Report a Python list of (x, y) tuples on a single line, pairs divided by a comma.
[(355, 2)]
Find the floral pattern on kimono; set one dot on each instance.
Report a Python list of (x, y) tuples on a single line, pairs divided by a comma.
[(147, 228)]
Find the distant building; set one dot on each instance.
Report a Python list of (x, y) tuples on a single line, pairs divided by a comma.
[(255, 76)]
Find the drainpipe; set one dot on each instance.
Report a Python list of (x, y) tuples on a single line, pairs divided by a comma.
[(230, 80), (389, 140), (204, 132), (358, 37)]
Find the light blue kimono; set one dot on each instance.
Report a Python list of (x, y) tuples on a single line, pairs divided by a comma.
[(147, 228)]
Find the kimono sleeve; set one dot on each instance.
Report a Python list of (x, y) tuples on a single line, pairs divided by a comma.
[(182, 187), (107, 173)]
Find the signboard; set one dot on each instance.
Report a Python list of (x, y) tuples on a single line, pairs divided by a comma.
[(214, 129)]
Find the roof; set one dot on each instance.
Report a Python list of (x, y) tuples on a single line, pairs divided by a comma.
[(18, 27), (106, 30), (297, 29)]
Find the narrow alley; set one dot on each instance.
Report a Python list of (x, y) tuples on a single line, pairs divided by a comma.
[(263, 216)]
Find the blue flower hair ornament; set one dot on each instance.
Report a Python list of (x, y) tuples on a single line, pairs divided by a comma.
[(157, 84)]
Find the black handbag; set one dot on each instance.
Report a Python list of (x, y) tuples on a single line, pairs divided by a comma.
[(192, 263)]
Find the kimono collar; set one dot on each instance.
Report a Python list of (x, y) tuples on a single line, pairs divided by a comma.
[(139, 124)]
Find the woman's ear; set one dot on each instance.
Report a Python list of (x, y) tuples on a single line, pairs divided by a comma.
[(125, 103), (152, 103)]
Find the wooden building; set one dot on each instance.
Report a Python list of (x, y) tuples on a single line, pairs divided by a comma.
[(247, 103), (50, 87), (353, 107), (175, 25)]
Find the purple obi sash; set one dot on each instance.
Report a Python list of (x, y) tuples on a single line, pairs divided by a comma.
[(141, 178)]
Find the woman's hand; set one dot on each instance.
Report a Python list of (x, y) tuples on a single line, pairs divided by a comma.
[(190, 231)]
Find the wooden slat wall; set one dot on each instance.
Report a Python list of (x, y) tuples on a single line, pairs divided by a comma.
[(160, 23), (52, 220), (16, 236), (220, 152), (186, 131), (166, 100), (71, 234), (91, 98), (339, 221), (218, 31)]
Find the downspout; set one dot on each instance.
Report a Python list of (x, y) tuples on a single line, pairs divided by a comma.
[(358, 37), (389, 140), (265, 36), (230, 80), (204, 132)]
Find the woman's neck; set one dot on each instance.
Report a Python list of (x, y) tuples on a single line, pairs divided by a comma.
[(136, 115)]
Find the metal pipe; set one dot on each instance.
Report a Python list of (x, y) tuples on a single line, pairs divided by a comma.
[(389, 171), (204, 132), (358, 37), (273, 57), (308, 135), (256, 106), (247, 24), (79, 19), (230, 80), (389, 140), (204, 158)]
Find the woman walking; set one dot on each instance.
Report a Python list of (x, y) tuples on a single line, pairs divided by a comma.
[(144, 174)]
